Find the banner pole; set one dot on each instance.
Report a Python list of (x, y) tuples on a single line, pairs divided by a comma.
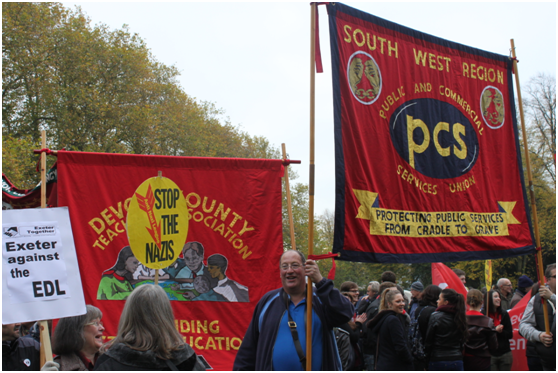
[(289, 204), (311, 183), (531, 186), (46, 348)]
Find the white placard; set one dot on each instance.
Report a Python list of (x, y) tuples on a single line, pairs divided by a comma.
[(40, 273)]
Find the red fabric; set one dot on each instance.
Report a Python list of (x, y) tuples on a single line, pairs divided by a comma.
[(331, 273), (427, 155), (227, 198), (518, 343), (444, 277), (474, 313), (497, 318)]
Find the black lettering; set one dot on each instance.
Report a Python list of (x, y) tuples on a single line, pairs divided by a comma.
[(157, 199), (9, 246), (58, 291), (49, 288), (36, 288)]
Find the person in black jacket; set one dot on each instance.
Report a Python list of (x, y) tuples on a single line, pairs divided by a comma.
[(427, 305), (368, 345), (446, 333), (19, 353), (502, 358), (482, 341), (392, 352), (147, 338)]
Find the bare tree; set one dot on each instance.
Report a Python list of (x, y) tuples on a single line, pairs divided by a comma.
[(540, 111)]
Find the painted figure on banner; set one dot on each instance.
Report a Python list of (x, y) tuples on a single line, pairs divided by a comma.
[(116, 282), (492, 104), (187, 268), (143, 273), (365, 90), (202, 284), (230, 289)]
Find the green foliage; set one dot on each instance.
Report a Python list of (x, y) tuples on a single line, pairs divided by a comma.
[(100, 90)]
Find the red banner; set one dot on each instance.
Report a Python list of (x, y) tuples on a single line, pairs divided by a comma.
[(427, 155), (518, 344), (228, 262)]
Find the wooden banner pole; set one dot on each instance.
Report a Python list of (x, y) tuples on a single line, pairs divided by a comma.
[(311, 183), (531, 186), (46, 348), (289, 204)]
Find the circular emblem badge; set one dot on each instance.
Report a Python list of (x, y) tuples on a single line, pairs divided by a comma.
[(492, 105), (364, 77), (157, 222), (434, 138)]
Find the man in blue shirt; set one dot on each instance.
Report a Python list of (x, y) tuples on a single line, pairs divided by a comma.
[(269, 343)]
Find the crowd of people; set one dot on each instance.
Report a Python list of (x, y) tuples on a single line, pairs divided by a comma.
[(429, 328), (389, 328)]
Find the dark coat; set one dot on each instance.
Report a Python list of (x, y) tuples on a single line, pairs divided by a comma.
[(444, 341), (393, 352), (21, 354), (505, 336), (482, 341), (256, 350), (122, 357)]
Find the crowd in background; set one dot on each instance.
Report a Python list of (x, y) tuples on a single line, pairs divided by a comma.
[(429, 328)]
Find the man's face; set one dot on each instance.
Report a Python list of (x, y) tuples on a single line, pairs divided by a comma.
[(415, 293), (192, 259), (10, 332), (214, 271), (462, 278), (552, 281), (369, 291), (293, 279), (506, 287)]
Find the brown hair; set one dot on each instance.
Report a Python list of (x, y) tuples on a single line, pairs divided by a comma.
[(474, 298), (68, 335)]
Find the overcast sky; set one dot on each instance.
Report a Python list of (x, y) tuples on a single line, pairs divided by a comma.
[(253, 59)]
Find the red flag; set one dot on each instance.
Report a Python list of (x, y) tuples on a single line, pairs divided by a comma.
[(518, 343), (444, 277)]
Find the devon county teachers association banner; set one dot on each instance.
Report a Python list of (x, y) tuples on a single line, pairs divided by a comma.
[(215, 278), (428, 164)]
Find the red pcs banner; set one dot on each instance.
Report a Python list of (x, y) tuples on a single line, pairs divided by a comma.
[(428, 165), (235, 223)]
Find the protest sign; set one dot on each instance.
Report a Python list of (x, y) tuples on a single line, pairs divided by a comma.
[(157, 222), (39, 265)]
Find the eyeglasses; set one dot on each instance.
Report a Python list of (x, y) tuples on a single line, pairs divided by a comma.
[(95, 323), (294, 266), (353, 291)]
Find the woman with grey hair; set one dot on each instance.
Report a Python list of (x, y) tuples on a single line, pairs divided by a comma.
[(77, 341), (147, 338)]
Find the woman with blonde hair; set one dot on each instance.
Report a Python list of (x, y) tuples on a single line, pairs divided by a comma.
[(147, 338), (392, 352)]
